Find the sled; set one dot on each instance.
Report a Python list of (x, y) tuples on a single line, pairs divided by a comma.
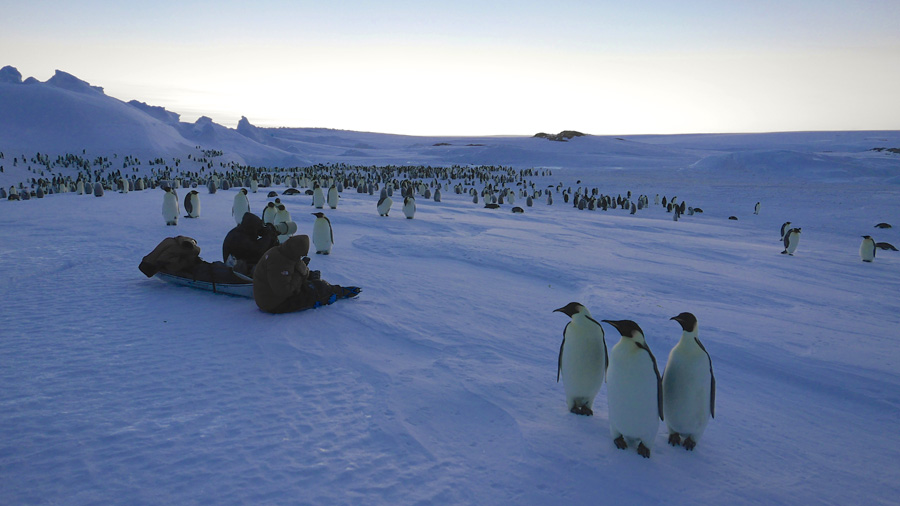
[(238, 286)]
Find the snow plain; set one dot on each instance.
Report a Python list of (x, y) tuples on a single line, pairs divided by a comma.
[(438, 384)]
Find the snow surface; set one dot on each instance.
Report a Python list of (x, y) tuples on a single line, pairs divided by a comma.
[(438, 384)]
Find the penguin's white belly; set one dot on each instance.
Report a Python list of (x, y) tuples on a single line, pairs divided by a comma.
[(632, 395), (318, 198), (195, 207), (385, 207), (793, 240), (867, 251), (170, 208), (583, 368), (409, 209), (240, 208), (322, 236), (686, 394)]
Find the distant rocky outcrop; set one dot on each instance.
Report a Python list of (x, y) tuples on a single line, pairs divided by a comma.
[(889, 150), (10, 75), (157, 112), (69, 82), (245, 128), (563, 136)]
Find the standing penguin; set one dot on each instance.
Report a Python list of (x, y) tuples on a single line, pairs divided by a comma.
[(240, 206), (384, 205), (791, 240), (268, 214), (756, 208), (409, 207), (192, 204), (867, 249), (170, 207), (323, 235), (333, 197), (318, 196), (784, 229), (689, 386), (282, 216), (634, 390), (582, 359)]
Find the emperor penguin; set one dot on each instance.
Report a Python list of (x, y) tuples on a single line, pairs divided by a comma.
[(689, 386), (192, 204), (333, 197), (240, 206), (409, 207), (582, 358), (784, 229), (756, 208), (170, 207), (254, 185), (282, 215), (268, 214), (323, 235), (867, 249), (791, 239), (79, 187), (634, 390), (384, 205), (318, 197)]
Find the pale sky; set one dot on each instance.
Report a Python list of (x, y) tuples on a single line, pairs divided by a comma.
[(480, 68)]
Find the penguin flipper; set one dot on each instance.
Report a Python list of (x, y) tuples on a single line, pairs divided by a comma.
[(561, 345), (602, 338), (659, 390), (712, 381)]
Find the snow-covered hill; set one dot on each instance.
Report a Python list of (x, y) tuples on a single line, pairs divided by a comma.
[(67, 115)]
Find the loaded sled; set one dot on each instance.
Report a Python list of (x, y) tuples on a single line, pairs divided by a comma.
[(177, 260)]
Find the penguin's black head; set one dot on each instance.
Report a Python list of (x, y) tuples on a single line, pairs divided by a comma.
[(626, 328), (867, 237), (318, 215), (687, 321), (244, 191), (570, 309)]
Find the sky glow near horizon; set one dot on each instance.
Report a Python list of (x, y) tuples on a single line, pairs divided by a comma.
[(480, 68)]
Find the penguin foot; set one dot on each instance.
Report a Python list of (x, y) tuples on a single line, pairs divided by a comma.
[(643, 451), (318, 252), (675, 439), (582, 410), (620, 443), (784, 252), (689, 444)]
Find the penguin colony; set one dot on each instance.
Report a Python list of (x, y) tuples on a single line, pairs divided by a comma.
[(494, 185), (684, 396)]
